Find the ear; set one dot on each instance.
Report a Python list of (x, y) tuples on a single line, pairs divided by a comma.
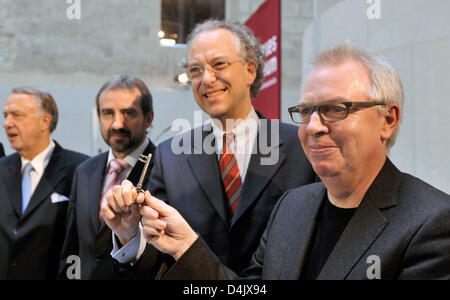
[(390, 121), (149, 119), (46, 121), (251, 72)]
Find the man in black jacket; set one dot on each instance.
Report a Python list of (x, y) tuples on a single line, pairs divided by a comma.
[(125, 111), (35, 185)]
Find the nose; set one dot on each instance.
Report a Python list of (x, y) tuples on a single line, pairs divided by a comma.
[(209, 76), (316, 125), (7, 124), (118, 122)]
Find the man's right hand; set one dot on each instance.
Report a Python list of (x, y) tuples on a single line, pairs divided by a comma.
[(121, 214)]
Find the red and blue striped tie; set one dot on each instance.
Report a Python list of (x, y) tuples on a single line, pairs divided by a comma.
[(230, 173)]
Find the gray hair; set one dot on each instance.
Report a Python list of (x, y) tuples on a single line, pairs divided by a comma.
[(128, 82), (247, 46), (386, 85), (45, 101)]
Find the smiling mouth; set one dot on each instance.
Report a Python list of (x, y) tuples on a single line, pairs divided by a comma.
[(214, 94)]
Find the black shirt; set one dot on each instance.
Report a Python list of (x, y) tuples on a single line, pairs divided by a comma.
[(331, 222)]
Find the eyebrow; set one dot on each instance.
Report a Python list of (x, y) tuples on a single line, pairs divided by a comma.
[(330, 100), (221, 56)]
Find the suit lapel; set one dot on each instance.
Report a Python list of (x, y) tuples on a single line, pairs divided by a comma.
[(300, 235), (205, 168), (94, 178), (12, 180), (54, 173), (365, 226), (261, 169)]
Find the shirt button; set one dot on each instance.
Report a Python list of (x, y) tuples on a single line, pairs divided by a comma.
[(14, 231)]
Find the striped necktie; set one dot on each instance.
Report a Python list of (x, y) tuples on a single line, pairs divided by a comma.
[(113, 178), (229, 171)]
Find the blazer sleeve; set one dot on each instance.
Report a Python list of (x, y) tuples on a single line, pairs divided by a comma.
[(428, 254)]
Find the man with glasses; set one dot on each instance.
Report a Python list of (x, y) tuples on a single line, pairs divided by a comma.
[(234, 168), (365, 220)]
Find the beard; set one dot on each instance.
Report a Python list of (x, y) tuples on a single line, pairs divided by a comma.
[(126, 142)]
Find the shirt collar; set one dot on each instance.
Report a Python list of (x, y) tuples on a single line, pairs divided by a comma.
[(40, 161), (250, 121), (133, 157)]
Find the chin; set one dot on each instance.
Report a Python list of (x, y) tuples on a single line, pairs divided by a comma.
[(325, 170)]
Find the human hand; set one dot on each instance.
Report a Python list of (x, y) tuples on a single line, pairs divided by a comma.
[(120, 214), (165, 228)]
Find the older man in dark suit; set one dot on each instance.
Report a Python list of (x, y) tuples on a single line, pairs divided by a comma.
[(226, 176), (365, 220), (125, 110), (35, 185)]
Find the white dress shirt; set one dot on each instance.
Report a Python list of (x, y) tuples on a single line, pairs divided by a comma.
[(243, 145), (39, 163)]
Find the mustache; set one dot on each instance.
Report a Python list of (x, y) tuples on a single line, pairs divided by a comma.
[(122, 131)]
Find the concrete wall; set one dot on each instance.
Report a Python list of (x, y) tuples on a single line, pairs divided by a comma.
[(415, 37)]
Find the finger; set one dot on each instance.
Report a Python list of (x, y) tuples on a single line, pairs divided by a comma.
[(140, 198), (117, 192), (160, 206), (148, 212), (151, 233), (107, 212), (127, 192), (155, 224), (112, 202)]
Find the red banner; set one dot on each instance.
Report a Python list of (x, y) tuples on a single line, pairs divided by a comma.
[(266, 25)]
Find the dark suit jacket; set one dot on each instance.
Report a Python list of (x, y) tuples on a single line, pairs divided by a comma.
[(31, 243), (402, 220), (192, 184), (2, 151), (86, 236)]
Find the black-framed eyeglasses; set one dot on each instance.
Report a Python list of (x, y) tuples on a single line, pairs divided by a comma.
[(330, 112)]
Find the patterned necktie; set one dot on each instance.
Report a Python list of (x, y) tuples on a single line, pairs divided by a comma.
[(230, 173), (26, 186), (113, 178)]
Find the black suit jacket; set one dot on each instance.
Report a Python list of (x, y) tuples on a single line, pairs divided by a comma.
[(191, 183), (2, 151), (86, 236), (402, 224), (31, 243)]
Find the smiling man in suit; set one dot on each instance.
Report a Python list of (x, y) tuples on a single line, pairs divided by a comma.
[(365, 220), (125, 110), (35, 185), (226, 176)]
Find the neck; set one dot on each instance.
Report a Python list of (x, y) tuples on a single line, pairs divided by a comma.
[(36, 150), (230, 122), (348, 190)]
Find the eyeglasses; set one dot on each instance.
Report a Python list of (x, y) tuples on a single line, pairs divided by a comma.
[(195, 72), (330, 112)]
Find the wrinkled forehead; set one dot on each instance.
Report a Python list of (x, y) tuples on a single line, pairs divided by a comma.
[(208, 44), (22, 101), (348, 81)]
